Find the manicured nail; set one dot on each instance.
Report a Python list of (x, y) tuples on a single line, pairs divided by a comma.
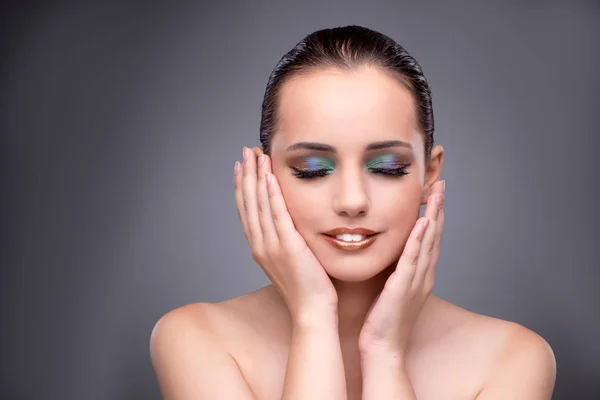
[(261, 159), (236, 167), (245, 153)]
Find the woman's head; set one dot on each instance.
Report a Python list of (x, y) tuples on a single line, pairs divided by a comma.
[(356, 109)]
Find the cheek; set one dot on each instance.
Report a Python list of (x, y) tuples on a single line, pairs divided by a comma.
[(304, 205), (399, 206)]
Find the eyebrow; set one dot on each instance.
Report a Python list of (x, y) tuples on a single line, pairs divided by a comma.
[(371, 146)]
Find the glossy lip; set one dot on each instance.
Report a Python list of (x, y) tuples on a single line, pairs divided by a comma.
[(330, 236), (354, 231)]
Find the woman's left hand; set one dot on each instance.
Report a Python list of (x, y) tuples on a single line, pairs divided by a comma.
[(388, 323)]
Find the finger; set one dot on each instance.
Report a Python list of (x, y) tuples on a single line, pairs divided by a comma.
[(284, 226), (431, 190), (428, 244), (250, 203), (239, 198), (430, 274), (264, 207), (431, 209), (407, 264)]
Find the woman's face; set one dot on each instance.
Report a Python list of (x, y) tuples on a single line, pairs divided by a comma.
[(354, 186)]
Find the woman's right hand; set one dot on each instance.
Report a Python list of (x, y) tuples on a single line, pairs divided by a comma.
[(275, 244)]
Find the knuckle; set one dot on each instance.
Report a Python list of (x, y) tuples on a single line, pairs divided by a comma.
[(246, 203), (430, 249), (413, 259), (257, 255), (276, 215)]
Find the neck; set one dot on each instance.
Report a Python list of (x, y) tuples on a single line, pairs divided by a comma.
[(355, 300)]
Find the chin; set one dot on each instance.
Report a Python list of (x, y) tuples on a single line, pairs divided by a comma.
[(352, 272)]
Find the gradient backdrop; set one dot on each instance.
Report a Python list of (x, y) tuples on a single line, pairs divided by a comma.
[(121, 124)]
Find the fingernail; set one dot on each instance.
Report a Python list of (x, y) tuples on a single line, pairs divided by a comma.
[(236, 167), (268, 177), (443, 186), (245, 153), (261, 159)]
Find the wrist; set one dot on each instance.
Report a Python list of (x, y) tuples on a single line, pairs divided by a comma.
[(315, 318), (386, 374), (383, 355)]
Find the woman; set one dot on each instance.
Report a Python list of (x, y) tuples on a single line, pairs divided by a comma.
[(330, 207)]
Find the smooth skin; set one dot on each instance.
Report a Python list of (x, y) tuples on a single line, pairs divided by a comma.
[(364, 331)]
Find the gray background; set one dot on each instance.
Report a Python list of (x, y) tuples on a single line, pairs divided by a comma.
[(120, 127)]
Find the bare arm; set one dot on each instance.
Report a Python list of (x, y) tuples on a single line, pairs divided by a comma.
[(385, 377), (190, 361), (525, 369), (315, 368)]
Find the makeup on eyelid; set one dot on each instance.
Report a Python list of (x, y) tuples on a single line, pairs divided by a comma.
[(318, 166), (387, 161), (314, 163), (312, 167)]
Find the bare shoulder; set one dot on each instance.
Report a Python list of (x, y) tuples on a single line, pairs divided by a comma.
[(514, 361), (191, 353), (256, 316), (220, 320), (523, 367)]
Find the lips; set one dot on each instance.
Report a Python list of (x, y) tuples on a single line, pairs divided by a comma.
[(369, 237), (350, 231)]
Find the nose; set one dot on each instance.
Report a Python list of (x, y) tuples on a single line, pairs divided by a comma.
[(351, 197)]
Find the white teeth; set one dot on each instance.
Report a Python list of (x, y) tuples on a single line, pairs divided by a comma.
[(346, 237)]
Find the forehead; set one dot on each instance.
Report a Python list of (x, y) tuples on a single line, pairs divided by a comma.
[(345, 108)]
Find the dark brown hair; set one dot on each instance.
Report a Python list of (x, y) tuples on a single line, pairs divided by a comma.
[(348, 47)]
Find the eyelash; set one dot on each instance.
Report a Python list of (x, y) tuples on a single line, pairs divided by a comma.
[(302, 174), (394, 172)]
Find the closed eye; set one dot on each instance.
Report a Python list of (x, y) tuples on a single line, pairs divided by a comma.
[(390, 171), (319, 173), (309, 174)]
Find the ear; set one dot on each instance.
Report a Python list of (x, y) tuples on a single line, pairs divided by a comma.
[(432, 172)]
